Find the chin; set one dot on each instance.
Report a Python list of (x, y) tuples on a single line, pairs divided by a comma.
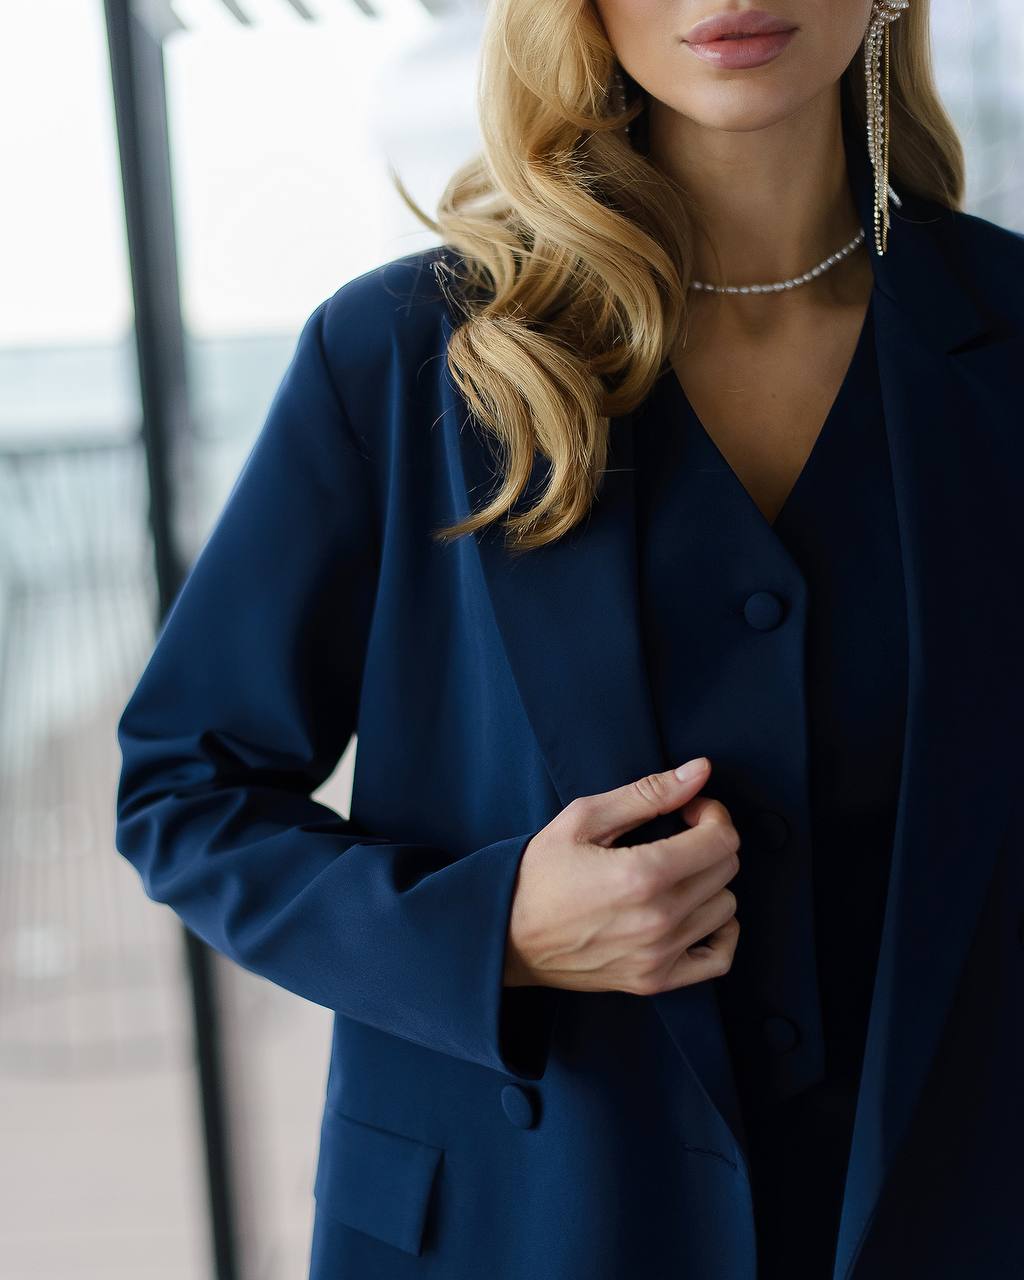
[(741, 108)]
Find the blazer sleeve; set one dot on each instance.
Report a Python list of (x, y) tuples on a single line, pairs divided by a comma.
[(246, 704)]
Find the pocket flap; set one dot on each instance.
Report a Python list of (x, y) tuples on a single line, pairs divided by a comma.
[(374, 1179)]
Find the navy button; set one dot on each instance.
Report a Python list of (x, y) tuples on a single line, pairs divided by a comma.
[(763, 610), (772, 829), (520, 1105), (781, 1034)]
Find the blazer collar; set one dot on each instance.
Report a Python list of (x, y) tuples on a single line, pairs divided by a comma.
[(568, 617)]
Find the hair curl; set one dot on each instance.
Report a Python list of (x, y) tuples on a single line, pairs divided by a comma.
[(576, 249)]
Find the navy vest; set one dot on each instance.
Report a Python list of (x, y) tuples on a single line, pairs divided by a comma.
[(779, 650)]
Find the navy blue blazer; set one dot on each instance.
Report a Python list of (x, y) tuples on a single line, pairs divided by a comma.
[(475, 1130)]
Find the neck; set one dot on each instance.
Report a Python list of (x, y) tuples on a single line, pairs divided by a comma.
[(772, 201)]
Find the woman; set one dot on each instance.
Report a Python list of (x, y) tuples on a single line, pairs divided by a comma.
[(771, 533)]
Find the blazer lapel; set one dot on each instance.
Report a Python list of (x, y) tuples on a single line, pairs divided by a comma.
[(568, 614), (936, 349)]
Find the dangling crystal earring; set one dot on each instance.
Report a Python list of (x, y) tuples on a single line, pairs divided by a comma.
[(618, 96), (876, 51)]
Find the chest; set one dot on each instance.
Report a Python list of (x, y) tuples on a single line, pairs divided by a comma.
[(763, 398)]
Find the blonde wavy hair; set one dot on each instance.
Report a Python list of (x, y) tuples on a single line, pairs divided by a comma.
[(575, 249)]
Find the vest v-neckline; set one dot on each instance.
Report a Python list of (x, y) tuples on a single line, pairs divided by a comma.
[(677, 394)]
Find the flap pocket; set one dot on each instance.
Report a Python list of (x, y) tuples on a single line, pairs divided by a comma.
[(374, 1179)]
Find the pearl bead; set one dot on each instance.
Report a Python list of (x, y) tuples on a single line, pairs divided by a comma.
[(780, 285)]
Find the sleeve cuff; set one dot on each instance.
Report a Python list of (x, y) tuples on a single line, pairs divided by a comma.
[(526, 1014)]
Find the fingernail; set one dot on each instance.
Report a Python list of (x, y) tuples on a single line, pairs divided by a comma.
[(691, 768)]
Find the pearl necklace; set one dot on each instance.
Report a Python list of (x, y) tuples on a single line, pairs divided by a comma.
[(791, 283)]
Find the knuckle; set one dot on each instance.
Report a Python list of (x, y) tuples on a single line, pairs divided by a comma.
[(646, 983), (730, 838), (637, 879), (653, 957), (688, 900), (656, 920), (651, 788), (579, 808), (646, 959)]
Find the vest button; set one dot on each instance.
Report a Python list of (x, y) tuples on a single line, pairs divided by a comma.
[(772, 829), (780, 1034), (763, 610), (520, 1105)]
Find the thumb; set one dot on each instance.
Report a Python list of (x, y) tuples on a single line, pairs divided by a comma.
[(637, 802)]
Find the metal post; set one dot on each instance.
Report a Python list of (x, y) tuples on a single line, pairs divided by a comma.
[(135, 39)]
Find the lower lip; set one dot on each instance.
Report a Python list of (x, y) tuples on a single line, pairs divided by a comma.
[(749, 51)]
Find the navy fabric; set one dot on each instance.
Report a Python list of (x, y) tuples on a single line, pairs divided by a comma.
[(487, 691), (836, 539)]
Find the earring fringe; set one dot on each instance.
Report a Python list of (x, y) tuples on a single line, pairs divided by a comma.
[(876, 70), (618, 95)]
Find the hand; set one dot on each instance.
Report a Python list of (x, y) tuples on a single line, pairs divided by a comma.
[(641, 918)]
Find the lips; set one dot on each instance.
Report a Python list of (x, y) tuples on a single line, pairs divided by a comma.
[(741, 52), (735, 26)]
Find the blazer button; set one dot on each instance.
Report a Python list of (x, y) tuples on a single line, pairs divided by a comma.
[(781, 1034), (763, 610), (772, 829), (521, 1105)]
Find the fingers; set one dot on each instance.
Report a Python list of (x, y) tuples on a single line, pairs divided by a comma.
[(703, 809), (711, 841), (665, 917), (691, 892), (671, 964), (711, 958), (703, 921), (602, 818)]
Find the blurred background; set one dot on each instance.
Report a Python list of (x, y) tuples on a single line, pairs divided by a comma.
[(182, 183)]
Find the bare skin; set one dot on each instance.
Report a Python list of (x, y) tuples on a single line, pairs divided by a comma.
[(638, 918), (760, 151), (756, 392)]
